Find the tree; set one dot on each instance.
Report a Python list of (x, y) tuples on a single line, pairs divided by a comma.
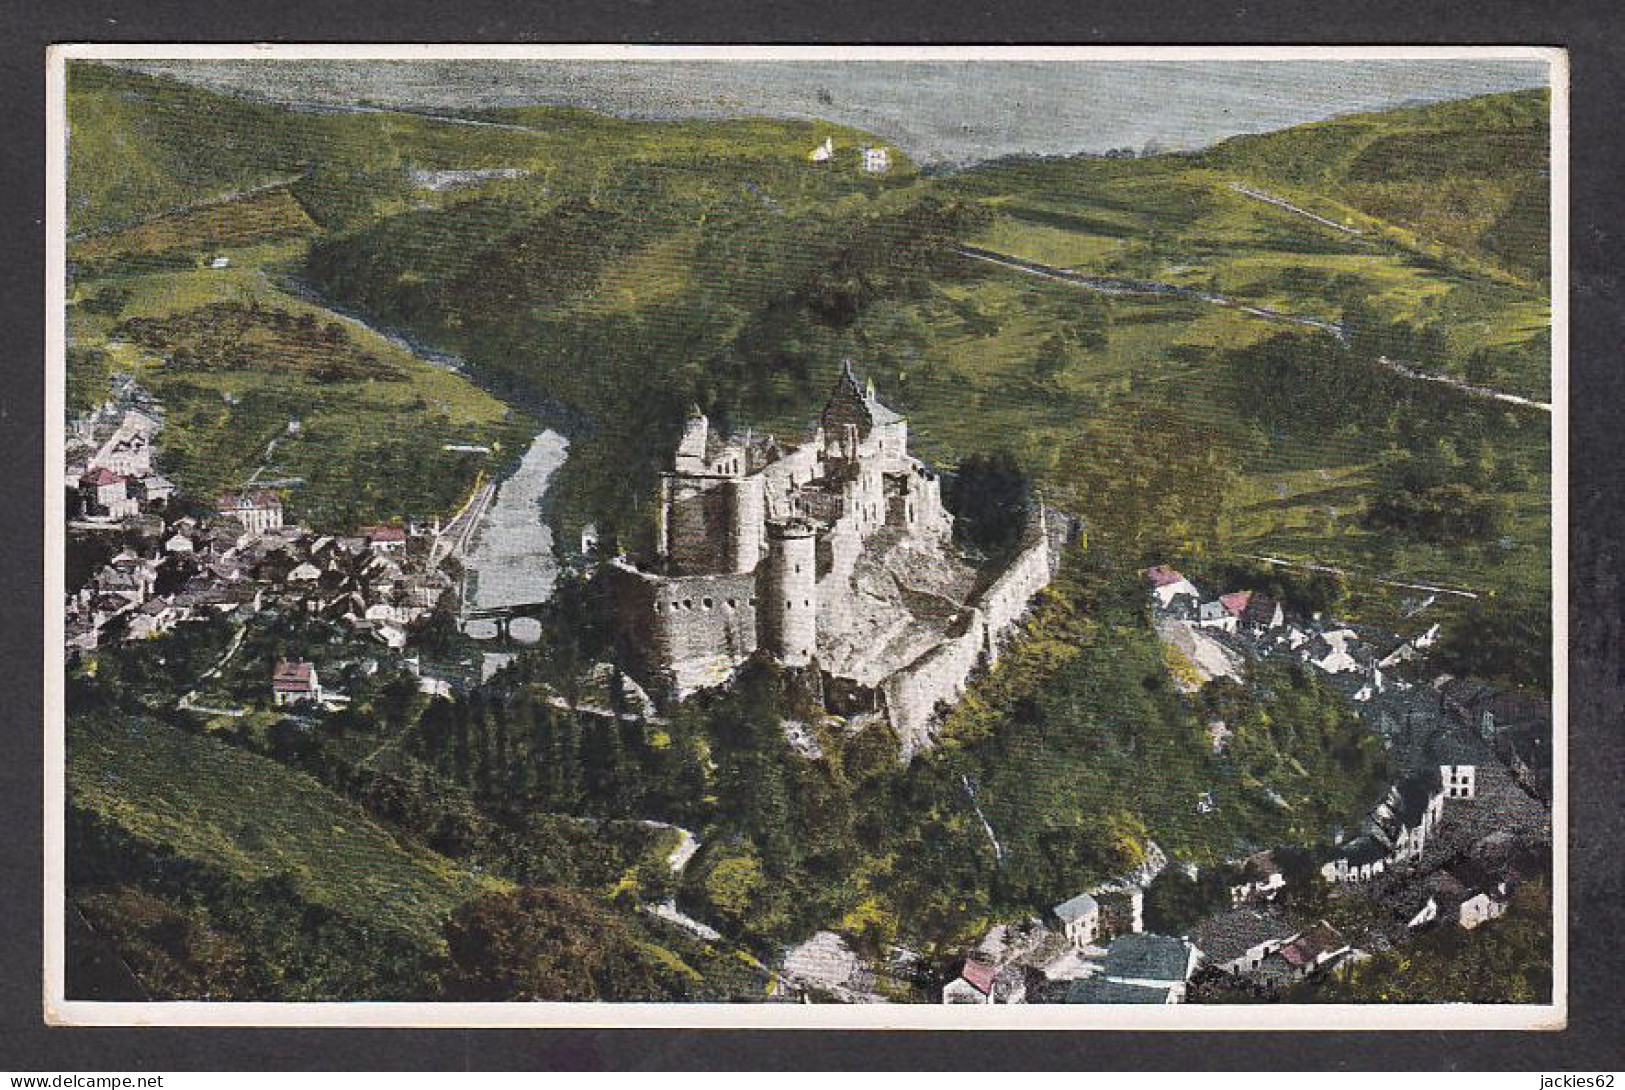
[(1174, 901), (552, 945), (989, 496)]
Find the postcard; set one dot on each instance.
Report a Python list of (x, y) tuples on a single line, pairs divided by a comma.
[(1006, 538)]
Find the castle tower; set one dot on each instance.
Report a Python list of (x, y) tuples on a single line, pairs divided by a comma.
[(747, 509), (790, 592)]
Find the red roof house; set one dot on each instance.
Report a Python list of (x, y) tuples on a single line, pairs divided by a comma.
[(294, 681)]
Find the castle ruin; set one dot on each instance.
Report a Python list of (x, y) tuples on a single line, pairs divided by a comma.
[(835, 554)]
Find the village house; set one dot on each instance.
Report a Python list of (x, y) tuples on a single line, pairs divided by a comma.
[(1468, 894), (1167, 585), (1358, 860), (106, 494), (1238, 941), (979, 982), (1080, 920), (1263, 613), (1260, 875), (876, 160), (295, 683), (1154, 962), (1306, 954), (1334, 652), (128, 451), (1397, 830), (1224, 613), (385, 539), (156, 617), (1460, 781), (258, 512)]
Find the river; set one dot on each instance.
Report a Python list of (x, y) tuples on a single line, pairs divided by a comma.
[(511, 561)]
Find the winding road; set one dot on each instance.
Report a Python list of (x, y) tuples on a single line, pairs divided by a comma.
[(1116, 285)]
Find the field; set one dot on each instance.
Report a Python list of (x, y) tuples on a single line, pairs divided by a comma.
[(253, 818)]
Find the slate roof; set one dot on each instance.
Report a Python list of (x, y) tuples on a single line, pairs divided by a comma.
[(1362, 850), (1260, 609), (1231, 934), (1097, 989), (1077, 908), (1318, 941), (1148, 957)]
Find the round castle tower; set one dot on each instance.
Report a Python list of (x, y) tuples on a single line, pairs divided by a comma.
[(790, 592)]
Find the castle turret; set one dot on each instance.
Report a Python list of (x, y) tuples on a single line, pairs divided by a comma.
[(748, 517), (790, 592)]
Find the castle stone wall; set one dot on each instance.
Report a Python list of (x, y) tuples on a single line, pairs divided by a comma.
[(913, 693), (1007, 599), (699, 627), (698, 518), (747, 515)]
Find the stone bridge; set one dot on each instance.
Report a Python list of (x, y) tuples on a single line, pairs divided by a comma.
[(503, 616)]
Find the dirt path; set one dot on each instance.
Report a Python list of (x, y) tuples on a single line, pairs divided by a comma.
[(1305, 565), (186, 702), (1113, 285), (1259, 195)]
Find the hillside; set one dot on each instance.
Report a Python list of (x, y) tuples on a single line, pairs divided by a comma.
[(253, 818), (578, 257), (1470, 175)]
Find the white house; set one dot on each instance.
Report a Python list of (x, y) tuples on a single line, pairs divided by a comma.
[(1259, 875), (1080, 920), (1167, 585), (107, 493), (1471, 895), (294, 683), (1222, 613), (259, 512), (979, 982), (1460, 781), (876, 160), (385, 539)]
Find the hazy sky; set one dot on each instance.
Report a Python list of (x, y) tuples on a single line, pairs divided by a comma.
[(938, 111)]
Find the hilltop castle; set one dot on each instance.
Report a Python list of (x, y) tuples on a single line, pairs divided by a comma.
[(836, 553)]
